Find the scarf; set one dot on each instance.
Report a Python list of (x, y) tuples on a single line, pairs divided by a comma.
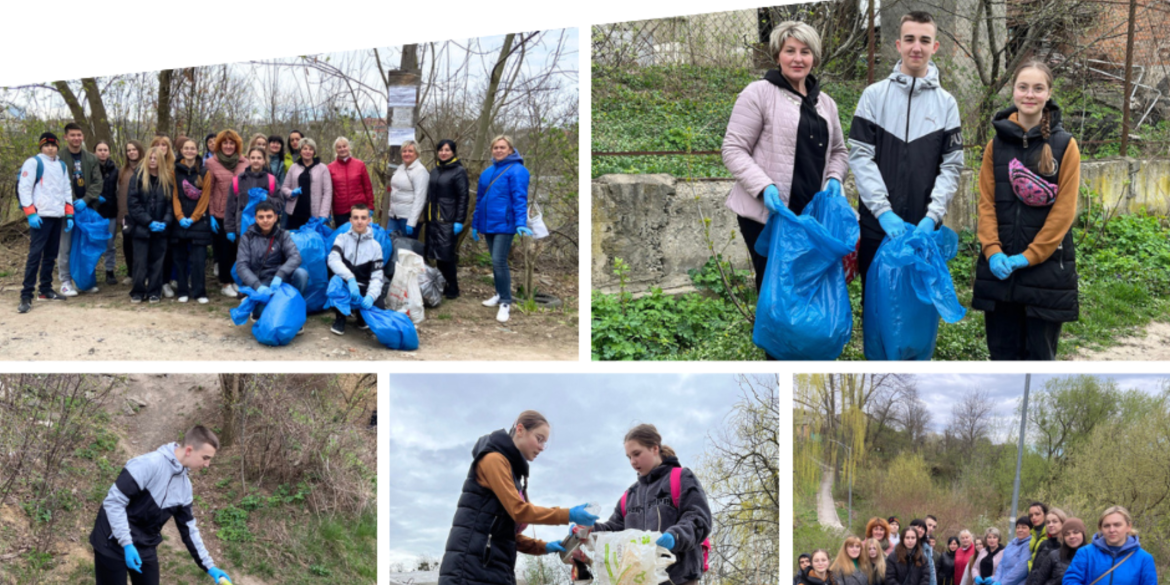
[(228, 162), (440, 164), (987, 565), (305, 182)]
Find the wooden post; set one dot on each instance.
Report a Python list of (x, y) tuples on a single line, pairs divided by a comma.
[(869, 75), (1128, 79)]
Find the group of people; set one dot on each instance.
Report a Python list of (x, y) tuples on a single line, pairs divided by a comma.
[(495, 507), (1049, 548), (170, 204), (784, 145)]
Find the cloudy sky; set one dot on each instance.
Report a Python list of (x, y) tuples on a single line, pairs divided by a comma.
[(436, 419), (938, 391)]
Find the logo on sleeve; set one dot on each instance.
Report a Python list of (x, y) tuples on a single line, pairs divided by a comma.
[(957, 139), (24, 174)]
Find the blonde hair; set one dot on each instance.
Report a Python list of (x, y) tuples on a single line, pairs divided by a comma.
[(306, 141), (257, 138), (648, 437), (170, 157), (1117, 510), (411, 145), (166, 173), (339, 140), (878, 567), (843, 565), (797, 31), (505, 138)]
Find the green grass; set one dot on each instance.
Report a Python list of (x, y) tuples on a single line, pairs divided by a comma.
[(326, 550)]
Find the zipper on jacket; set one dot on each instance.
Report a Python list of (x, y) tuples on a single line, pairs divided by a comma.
[(909, 100), (487, 550)]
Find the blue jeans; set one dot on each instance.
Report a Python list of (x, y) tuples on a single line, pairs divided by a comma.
[(500, 245), (399, 224), (42, 254)]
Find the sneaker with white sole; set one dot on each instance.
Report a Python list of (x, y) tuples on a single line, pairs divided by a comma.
[(502, 314), (203, 300), (228, 291), (167, 291), (183, 298), (68, 290), (492, 301)]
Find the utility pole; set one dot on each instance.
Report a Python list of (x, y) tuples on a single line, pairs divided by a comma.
[(849, 454), (1020, 449)]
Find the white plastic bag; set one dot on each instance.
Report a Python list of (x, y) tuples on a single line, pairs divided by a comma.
[(405, 295), (536, 224), (629, 557)]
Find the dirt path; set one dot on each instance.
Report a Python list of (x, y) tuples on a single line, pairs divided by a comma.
[(105, 326), (1153, 346), (826, 507)]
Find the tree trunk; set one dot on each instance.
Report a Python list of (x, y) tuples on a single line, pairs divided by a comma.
[(98, 120), (74, 104), (163, 125), (229, 385)]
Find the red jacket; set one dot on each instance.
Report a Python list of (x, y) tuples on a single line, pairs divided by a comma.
[(351, 185)]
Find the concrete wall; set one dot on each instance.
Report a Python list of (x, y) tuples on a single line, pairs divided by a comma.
[(656, 222)]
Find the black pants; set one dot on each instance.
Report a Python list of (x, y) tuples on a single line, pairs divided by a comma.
[(295, 222), (128, 251), (148, 265), (191, 264), (42, 254), (1012, 335), (112, 571), (224, 251), (168, 268), (340, 219), (751, 229), (450, 272)]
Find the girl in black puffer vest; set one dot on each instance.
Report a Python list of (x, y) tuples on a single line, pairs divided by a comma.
[(1026, 278), (192, 232), (149, 204), (907, 565)]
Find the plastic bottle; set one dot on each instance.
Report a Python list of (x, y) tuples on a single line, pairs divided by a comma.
[(580, 533)]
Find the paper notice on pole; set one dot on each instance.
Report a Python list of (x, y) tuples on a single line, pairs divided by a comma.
[(404, 96), (400, 135), (402, 117)]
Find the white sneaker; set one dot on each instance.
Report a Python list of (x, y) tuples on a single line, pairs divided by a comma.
[(67, 289), (502, 314), (235, 288), (228, 291), (492, 301), (203, 300), (168, 292), (183, 298)]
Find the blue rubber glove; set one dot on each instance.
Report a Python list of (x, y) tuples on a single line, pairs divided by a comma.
[(1000, 266), (892, 224), (833, 186), (231, 236), (79, 206), (458, 228), (578, 515), (1017, 262), (367, 302), (926, 225), (772, 198), (157, 226), (524, 232), (474, 234), (263, 291), (276, 282), (214, 225), (409, 230), (68, 224), (295, 192), (133, 560), (101, 199), (34, 221), (355, 292), (553, 547), (665, 541), (217, 574), (186, 222)]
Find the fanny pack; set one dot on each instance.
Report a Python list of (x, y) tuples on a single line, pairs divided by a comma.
[(190, 191), (1030, 187)]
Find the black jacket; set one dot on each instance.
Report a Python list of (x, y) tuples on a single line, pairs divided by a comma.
[(199, 233), (1049, 568), (1049, 289), (481, 547), (237, 201), (945, 568), (149, 206), (447, 201), (806, 577), (906, 573), (109, 209), (264, 256)]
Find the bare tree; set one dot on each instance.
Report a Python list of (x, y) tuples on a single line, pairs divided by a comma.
[(971, 420)]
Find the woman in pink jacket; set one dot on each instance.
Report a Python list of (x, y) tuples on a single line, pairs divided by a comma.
[(784, 141)]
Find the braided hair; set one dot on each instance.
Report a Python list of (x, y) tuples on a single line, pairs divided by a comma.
[(1046, 165)]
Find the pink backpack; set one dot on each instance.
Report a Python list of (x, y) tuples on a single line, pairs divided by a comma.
[(675, 498), (271, 184)]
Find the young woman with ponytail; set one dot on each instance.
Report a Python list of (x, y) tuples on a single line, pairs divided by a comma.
[(684, 527), (1026, 279), (494, 508)]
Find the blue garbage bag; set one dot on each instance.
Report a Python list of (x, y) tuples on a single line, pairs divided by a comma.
[(803, 312), (91, 232), (380, 235), (311, 245), (393, 329), (908, 287), (337, 295), (248, 217), (283, 317), (320, 225)]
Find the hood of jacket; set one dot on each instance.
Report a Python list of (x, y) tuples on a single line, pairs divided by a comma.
[(500, 442), (1008, 129), (920, 84), (1131, 543), (511, 158), (167, 452)]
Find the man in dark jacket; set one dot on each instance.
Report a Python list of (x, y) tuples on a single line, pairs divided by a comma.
[(150, 490), (267, 255), (85, 177)]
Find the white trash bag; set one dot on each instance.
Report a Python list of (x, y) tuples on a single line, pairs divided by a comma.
[(629, 557), (405, 295)]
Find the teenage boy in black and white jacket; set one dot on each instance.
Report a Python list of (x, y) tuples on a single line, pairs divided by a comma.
[(357, 257), (150, 490)]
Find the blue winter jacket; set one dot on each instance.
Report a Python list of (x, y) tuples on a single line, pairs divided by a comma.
[(1091, 562), (1013, 567), (502, 207)]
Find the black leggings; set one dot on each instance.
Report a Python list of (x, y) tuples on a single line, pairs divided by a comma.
[(224, 251), (111, 571), (1013, 335)]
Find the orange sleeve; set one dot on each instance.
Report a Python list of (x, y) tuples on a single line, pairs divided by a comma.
[(988, 224), (495, 473), (530, 546), (1064, 209)]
